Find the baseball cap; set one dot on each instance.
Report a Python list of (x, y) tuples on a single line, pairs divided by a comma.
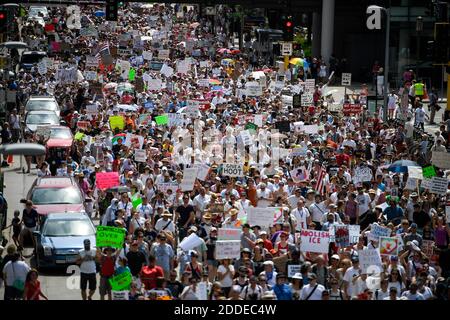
[(298, 276), (355, 259), (268, 263), (336, 257), (87, 241)]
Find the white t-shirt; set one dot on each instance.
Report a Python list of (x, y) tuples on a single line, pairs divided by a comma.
[(363, 203), (317, 294), (411, 296), (262, 203), (15, 271), (301, 215), (317, 211), (349, 274), (381, 295), (397, 285), (227, 281), (88, 266)]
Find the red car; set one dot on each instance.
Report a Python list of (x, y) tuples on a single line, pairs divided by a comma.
[(58, 145), (56, 194)]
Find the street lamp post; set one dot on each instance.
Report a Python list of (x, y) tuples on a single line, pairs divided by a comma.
[(419, 29)]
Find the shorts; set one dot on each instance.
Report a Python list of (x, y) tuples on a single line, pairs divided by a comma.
[(213, 263), (88, 277), (105, 286), (33, 229)]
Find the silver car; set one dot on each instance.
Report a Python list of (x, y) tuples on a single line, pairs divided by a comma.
[(42, 103), (34, 119)]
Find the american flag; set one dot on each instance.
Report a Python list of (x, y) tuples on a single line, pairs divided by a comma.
[(102, 50), (320, 180)]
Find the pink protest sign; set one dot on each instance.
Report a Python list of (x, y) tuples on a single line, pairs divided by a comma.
[(107, 180)]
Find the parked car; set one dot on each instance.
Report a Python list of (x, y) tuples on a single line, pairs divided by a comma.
[(33, 119), (38, 11), (56, 194), (58, 145), (42, 103), (60, 238), (29, 58)]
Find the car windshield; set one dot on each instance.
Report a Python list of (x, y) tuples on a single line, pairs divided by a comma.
[(65, 228), (42, 118), (60, 133), (32, 58), (68, 195), (39, 105)]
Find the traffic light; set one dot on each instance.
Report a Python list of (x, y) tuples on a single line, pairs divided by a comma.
[(288, 29), (111, 10), (3, 21), (441, 41)]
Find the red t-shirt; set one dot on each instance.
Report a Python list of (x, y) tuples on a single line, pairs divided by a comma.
[(107, 269), (33, 289), (149, 276)]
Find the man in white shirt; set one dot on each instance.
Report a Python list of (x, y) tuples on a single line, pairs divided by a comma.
[(145, 209), (88, 159), (293, 199), (412, 293), (363, 200), (88, 270), (264, 196), (165, 223), (351, 272), (302, 215), (14, 271), (312, 291), (200, 202), (317, 210)]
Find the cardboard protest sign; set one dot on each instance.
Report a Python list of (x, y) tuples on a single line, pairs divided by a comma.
[(370, 261), (389, 246), (140, 155), (429, 172), (163, 54), (189, 176), (105, 180), (439, 185), (121, 281), (229, 249), (428, 247), (233, 170), (190, 242), (314, 241), (353, 230), (415, 173), (262, 217), (117, 122), (362, 174), (342, 236), (229, 234), (377, 231), (441, 159), (247, 139), (293, 269), (109, 237)]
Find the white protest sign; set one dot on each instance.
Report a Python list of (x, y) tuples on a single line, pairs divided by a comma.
[(377, 231), (441, 159), (90, 75), (120, 295), (314, 241), (247, 139), (262, 217), (229, 249), (362, 174), (176, 119), (147, 55), (311, 129), (164, 186), (346, 79), (140, 155), (91, 109), (415, 172), (411, 184), (166, 70), (253, 89), (447, 213), (293, 269), (163, 54), (190, 242), (370, 260), (229, 234), (353, 231), (299, 152), (42, 68), (189, 176), (202, 291), (426, 183), (91, 61), (258, 120), (204, 64), (203, 82), (154, 84), (299, 174), (439, 185), (183, 66), (89, 32), (203, 170), (233, 170)]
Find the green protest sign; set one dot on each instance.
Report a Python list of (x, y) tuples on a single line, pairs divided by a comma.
[(136, 201), (429, 172), (132, 74), (162, 120), (121, 281), (109, 237), (251, 126)]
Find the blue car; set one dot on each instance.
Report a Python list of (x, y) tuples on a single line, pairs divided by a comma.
[(60, 238)]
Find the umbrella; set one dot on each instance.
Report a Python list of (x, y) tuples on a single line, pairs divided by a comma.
[(214, 81), (223, 50), (296, 61), (116, 138), (235, 51), (14, 45), (26, 149), (99, 13), (128, 107), (402, 165), (119, 189)]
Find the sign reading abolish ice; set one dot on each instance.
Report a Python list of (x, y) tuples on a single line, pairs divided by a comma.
[(110, 237), (228, 249), (314, 241), (233, 170)]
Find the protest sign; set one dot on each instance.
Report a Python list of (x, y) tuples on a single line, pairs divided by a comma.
[(109, 237), (189, 176), (121, 282), (428, 247), (166, 70), (233, 170), (183, 66), (203, 82), (411, 184), (314, 241), (426, 183), (140, 155), (251, 126), (377, 231), (353, 230), (342, 236), (90, 31), (352, 108), (247, 139), (253, 89), (78, 136), (346, 79), (299, 174), (362, 174), (164, 186), (229, 234), (311, 129), (91, 61), (441, 159), (369, 260), (176, 119), (105, 180), (42, 67), (293, 269), (117, 122), (258, 120), (91, 109), (389, 246), (439, 185), (147, 55), (203, 170), (162, 120), (163, 54), (229, 249), (262, 217), (90, 75), (299, 152), (83, 125), (190, 242), (154, 84), (447, 213), (415, 172), (202, 291), (429, 172), (120, 295), (134, 141), (145, 118)]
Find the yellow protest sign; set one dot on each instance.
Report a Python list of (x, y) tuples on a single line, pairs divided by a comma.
[(117, 122)]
